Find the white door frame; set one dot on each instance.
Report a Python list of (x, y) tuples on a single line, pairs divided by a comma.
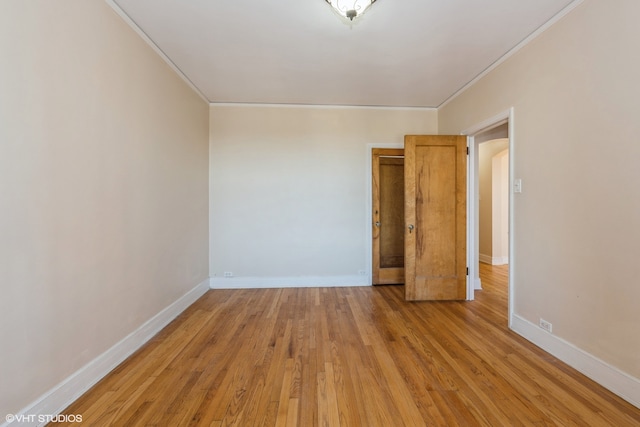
[(472, 201)]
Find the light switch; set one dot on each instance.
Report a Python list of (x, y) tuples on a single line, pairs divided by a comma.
[(517, 186)]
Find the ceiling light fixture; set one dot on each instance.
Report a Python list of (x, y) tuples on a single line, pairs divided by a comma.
[(350, 8)]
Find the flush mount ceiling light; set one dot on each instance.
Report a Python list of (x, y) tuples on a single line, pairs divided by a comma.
[(350, 8)]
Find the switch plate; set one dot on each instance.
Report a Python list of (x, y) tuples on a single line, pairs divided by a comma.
[(517, 186)]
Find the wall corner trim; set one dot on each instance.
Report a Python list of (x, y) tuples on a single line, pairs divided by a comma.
[(608, 376), (288, 282), (65, 393)]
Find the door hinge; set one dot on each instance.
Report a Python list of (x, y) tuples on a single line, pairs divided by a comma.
[(467, 151), (467, 271)]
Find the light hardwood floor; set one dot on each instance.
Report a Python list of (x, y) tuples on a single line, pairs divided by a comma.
[(347, 357)]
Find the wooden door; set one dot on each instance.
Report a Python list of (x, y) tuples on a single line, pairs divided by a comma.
[(388, 215), (435, 217)]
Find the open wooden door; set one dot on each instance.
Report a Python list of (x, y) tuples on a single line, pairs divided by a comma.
[(435, 217), (387, 173)]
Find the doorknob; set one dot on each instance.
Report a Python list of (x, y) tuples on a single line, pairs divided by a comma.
[(411, 227), (377, 223)]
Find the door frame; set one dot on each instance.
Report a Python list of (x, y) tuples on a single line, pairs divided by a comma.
[(386, 275), (472, 201), (369, 205)]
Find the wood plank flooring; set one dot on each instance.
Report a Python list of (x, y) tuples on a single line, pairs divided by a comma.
[(347, 357)]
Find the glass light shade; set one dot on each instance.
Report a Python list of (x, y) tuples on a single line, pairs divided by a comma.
[(350, 8)]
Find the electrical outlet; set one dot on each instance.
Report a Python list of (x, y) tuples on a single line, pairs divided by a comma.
[(228, 274), (547, 326)]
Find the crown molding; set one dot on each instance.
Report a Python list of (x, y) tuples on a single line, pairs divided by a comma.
[(127, 19), (319, 106), (544, 27)]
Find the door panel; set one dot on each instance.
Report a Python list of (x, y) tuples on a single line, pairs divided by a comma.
[(388, 216), (391, 212), (435, 217)]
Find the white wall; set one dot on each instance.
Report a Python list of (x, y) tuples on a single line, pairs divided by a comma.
[(500, 208), (487, 150), (576, 102), (103, 187), (288, 187)]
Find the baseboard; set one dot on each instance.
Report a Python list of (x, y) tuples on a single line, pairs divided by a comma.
[(61, 396), (484, 258), (477, 284), (487, 259), (288, 282), (502, 260), (610, 377)]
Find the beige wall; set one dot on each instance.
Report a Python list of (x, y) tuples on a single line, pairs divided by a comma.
[(576, 102), (288, 186), (103, 186)]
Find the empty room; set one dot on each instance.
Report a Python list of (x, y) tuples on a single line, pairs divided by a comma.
[(271, 213)]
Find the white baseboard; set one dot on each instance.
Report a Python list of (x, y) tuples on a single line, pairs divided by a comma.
[(288, 282), (65, 393), (610, 377), (487, 259), (477, 284), (503, 260)]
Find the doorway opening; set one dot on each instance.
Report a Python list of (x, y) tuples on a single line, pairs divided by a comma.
[(493, 202), (370, 223), (491, 157), (426, 213), (387, 167)]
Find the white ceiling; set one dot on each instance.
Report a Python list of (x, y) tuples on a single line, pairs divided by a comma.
[(400, 53)]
